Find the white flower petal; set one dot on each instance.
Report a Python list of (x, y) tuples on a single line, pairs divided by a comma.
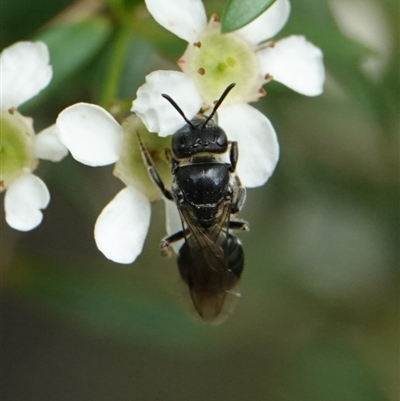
[(91, 134), (296, 63), (185, 18), (268, 24), (23, 200), (173, 222), (122, 226), (48, 146), (157, 114), (257, 141), (25, 71)]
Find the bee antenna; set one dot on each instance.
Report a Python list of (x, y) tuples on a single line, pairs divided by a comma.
[(220, 100), (177, 108)]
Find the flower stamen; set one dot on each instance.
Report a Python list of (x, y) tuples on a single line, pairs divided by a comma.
[(226, 58), (268, 77)]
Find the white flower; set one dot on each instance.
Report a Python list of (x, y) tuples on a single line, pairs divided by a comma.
[(95, 138), (366, 22), (212, 61), (25, 71), (258, 144)]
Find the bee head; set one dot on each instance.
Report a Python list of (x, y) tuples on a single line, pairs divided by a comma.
[(201, 134), (199, 138)]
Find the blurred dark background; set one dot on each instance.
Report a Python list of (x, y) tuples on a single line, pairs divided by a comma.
[(319, 315)]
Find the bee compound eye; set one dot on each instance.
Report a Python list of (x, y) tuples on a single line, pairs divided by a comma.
[(222, 140)]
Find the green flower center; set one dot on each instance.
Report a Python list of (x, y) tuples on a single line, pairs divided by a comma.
[(216, 61), (16, 147), (130, 168)]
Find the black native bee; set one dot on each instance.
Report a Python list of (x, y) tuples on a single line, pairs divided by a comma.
[(206, 191)]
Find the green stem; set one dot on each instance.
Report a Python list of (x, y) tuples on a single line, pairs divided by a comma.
[(112, 80)]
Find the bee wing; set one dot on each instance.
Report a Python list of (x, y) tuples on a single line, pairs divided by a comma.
[(207, 271), (211, 244), (223, 224)]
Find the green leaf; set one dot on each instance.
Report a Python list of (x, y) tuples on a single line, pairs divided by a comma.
[(73, 45), (239, 13), (20, 19)]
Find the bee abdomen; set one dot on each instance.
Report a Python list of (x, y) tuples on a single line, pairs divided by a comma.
[(235, 256)]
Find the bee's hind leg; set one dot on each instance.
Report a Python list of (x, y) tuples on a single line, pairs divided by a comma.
[(238, 225), (166, 243)]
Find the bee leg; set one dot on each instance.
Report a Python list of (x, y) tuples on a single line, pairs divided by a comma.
[(233, 156), (240, 198), (152, 170), (172, 160), (166, 242), (238, 225)]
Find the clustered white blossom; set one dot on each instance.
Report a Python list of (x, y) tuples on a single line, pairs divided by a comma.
[(25, 71), (211, 62)]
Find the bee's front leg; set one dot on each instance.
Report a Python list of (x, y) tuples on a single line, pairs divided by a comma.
[(233, 156), (152, 169)]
